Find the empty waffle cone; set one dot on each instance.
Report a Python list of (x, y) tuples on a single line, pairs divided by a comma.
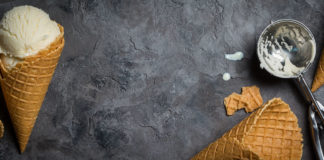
[(271, 132), (319, 76), (24, 87)]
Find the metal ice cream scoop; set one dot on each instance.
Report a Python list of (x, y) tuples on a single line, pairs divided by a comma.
[(286, 49)]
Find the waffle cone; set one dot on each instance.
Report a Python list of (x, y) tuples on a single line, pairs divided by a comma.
[(226, 148), (253, 96), (271, 132), (24, 87), (1, 129), (235, 102), (319, 76)]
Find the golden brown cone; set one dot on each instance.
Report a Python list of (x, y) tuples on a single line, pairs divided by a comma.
[(24, 87), (235, 102), (254, 97), (319, 76), (226, 149), (1, 129), (250, 99), (271, 132)]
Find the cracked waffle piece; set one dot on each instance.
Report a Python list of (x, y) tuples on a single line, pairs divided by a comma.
[(319, 76), (25, 85), (253, 96), (1, 129), (271, 132), (235, 102)]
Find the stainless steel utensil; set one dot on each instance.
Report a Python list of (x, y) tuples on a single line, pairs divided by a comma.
[(286, 49), (315, 132)]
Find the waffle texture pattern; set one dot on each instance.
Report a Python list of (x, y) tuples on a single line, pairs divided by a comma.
[(270, 133), (24, 87)]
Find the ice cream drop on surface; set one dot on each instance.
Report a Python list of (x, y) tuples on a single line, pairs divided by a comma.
[(226, 76), (235, 56)]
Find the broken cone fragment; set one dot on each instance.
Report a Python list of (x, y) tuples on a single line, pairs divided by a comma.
[(319, 76), (250, 100), (1, 130)]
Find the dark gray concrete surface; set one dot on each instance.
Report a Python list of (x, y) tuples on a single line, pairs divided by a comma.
[(143, 79)]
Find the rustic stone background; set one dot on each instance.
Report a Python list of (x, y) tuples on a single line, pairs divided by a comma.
[(142, 79)]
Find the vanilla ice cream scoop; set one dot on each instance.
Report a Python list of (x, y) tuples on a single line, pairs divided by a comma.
[(24, 31)]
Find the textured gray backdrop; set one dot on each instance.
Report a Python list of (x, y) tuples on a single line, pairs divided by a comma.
[(143, 79)]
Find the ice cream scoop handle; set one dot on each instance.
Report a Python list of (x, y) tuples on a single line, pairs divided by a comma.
[(315, 133), (310, 97)]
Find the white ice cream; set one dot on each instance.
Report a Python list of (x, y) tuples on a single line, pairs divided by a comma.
[(226, 76), (24, 31), (10, 62), (235, 56), (273, 62), (273, 55)]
